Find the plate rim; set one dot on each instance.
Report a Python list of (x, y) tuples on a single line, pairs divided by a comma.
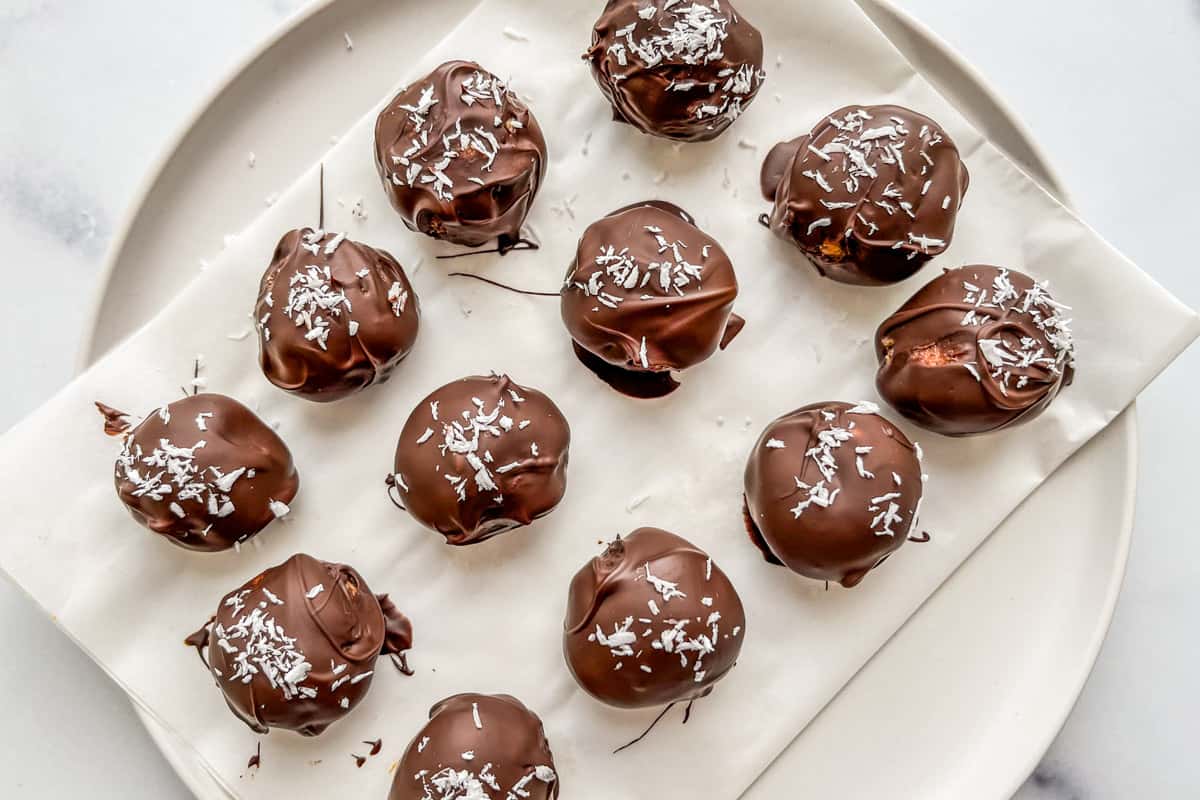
[(85, 355), (1127, 418), (154, 173)]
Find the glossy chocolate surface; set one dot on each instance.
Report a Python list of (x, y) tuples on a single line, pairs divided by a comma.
[(481, 456), (461, 156), (204, 471), (334, 315), (652, 620), (870, 195), (977, 349), (478, 747), (648, 293), (296, 647), (832, 489), (680, 70)]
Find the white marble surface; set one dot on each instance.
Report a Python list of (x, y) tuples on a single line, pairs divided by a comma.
[(93, 91)]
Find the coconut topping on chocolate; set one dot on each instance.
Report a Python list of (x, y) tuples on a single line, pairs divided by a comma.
[(204, 471), (651, 621), (869, 195), (481, 456), (478, 747), (648, 293), (676, 68), (334, 315), (977, 349), (296, 647), (461, 156), (832, 489)]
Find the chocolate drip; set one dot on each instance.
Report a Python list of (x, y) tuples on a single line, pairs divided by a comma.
[(732, 329), (651, 727), (199, 640), (631, 383), (398, 629), (507, 245), (115, 422), (500, 285)]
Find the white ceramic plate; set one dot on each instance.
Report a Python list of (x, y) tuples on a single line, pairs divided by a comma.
[(964, 700)]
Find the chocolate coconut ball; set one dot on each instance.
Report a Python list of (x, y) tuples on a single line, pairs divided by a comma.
[(481, 456), (295, 647), (478, 747), (977, 349), (648, 293), (204, 471), (679, 70), (652, 620), (832, 489), (870, 195), (461, 156), (334, 316)]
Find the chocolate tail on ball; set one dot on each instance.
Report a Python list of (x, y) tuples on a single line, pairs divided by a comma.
[(295, 648), (681, 71), (481, 456), (978, 349), (461, 157), (648, 293), (870, 195), (478, 746), (204, 472), (832, 490), (651, 621), (334, 316)]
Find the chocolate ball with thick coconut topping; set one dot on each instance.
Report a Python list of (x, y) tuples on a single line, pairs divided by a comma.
[(978, 349), (334, 316), (680, 70), (461, 156), (295, 648), (869, 195), (204, 472)]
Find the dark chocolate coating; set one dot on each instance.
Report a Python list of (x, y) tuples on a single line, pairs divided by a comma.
[(334, 316), (680, 70), (481, 456), (295, 647), (478, 747), (647, 293), (204, 472), (832, 490), (862, 214), (651, 621), (461, 156), (977, 349)]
